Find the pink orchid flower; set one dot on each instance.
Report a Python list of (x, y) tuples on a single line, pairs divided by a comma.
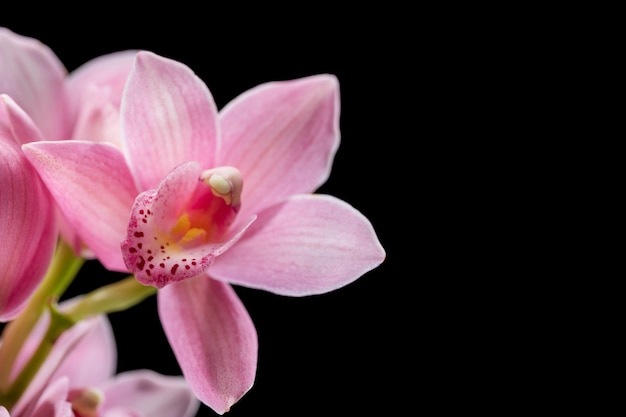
[(194, 227), (77, 380), (82, 104)]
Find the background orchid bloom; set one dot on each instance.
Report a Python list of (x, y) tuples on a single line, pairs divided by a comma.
[(78, 377), (195, 228), (27, 217), (83, 104)]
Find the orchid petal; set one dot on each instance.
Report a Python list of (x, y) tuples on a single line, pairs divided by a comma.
[(148, 394), (4, 412), (94, 359), (21, 126), (95, 92), (168, 117), (282, 136), (52, 402), (28, 229), (35, 78), (309, 244), (213, 338), (159, 248), (94, 190)]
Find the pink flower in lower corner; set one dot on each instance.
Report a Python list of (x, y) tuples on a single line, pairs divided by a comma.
[(214, 199), (77, 380)]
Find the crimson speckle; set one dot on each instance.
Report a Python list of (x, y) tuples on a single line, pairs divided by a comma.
[(187, 267), (132, 250), (148, 273), (144, 220), (174, 268), (141, 263), (138, 234), (162, 265)]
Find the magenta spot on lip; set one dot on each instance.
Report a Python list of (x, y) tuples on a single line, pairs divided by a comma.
[(174, 268), (138, 234), (141, 263)]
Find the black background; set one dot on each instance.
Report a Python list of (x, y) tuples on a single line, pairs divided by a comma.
[(348, 352)]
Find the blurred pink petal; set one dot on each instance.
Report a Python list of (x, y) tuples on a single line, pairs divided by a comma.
[(33, 76), (147, 393)]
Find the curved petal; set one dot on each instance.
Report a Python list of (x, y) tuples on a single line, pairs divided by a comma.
[(52, 402), (35, 78), (28, 229), (95, 94), (282, 136), (307, 245), (94, 190), (162, 245), (148, 394), (4, 412), (62, 349), (213, 338), (168, 117), (94, 359), (17, 122)]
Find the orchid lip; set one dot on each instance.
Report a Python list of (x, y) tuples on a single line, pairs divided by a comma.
[(176, 231)]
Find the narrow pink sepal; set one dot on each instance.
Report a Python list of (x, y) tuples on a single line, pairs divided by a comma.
[(34, 77), (148, 251), (149, 394), (282, 136), (94, 190), (28, 229), (168, 117), (213, 338), (310, 244)]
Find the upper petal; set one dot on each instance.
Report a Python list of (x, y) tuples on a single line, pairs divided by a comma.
[(213, 338), (307, 245), (27, 226), (35, 78), (168, 117), (282, 136), (149, 394), (94, 190)]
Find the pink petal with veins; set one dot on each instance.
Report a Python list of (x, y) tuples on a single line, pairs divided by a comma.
[(94, 190), (309, 244), (168, 117), (213, 338), (282, 136)]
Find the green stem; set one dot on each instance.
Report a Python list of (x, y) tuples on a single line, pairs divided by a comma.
[(111, 298), (64, 267)]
